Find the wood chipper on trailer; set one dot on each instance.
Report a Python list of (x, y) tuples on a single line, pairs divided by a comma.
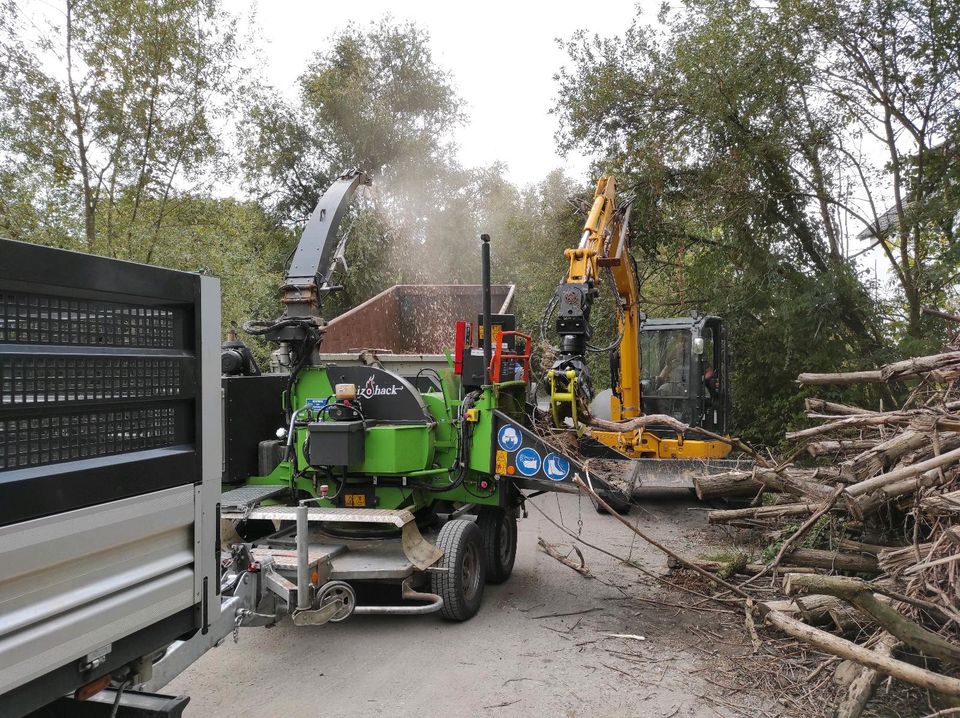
[(364, 478)]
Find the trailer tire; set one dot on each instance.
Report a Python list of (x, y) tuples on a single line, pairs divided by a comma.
[(499, 529), (461, 584)]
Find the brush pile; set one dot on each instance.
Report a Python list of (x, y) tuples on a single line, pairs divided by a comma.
[(867, 536)]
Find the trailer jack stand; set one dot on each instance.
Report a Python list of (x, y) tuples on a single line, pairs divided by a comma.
[(317, 616)]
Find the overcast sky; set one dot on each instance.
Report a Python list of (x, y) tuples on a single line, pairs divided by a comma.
[(502, 56)]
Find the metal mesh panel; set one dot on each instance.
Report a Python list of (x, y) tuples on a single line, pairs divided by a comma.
[(37, 319), (99, 380), (28, 380), (35, 441)]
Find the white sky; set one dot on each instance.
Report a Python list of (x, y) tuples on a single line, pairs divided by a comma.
[(502, 56)]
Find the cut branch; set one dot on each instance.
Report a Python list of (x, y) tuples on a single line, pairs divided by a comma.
[(851, 651)]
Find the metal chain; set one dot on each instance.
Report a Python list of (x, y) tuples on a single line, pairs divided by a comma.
[(236, 624), (579, 513)]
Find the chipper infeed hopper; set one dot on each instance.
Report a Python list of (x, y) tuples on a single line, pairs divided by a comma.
[(379, 478)]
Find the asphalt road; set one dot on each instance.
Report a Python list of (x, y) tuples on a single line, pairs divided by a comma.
[(515, 658)]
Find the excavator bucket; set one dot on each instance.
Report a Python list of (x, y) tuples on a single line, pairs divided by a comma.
[(680, 473), (640, 476)]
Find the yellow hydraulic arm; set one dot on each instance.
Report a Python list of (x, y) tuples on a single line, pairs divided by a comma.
[(603, 244)]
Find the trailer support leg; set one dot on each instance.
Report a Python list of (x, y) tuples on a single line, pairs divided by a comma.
[(303, 558)]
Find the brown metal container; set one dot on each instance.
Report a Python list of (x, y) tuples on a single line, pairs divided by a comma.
[(411, 319)]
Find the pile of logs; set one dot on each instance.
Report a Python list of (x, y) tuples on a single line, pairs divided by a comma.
[(865, 520)]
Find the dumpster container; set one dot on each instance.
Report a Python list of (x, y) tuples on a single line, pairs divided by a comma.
[(407, 327)]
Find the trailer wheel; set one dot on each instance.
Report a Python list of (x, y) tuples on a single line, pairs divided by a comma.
[(499, 530), (461, 584)]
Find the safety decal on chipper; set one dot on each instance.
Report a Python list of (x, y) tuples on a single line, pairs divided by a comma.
[(531, 463), (556, 467), (508, 437)]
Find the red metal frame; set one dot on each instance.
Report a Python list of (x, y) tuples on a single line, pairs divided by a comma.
[(497, 360), (461, 344)]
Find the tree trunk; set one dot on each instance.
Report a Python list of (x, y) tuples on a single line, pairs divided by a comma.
[(761, 512), (872, 659), (848, 377), (882, 456), (861, 421), (817, 449), (865, 682), (640, 422), (814, 610), (864, 548), (820, 558), (858, 593), (869, 503), (747, 569), (903, 472), (820, 406), (728, 484), (944, 366), (89, 203)]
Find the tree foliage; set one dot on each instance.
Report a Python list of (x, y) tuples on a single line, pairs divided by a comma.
[(111, 124), (118, 105), (376, 100), (767, 150), (726, 125)]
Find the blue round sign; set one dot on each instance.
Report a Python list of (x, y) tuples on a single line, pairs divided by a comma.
[(528, 461), (556, 467), (509, 438)]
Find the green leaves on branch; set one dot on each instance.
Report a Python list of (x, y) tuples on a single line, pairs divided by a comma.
[(756, 141), (121, 104)]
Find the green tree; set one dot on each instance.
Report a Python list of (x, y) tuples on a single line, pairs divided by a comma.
[(889, 74), (374, 99), (723, 124), (118, 105)]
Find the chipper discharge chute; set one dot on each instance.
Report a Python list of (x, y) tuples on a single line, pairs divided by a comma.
[(368, 477)]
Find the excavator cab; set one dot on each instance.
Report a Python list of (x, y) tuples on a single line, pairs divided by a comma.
[(684, 371)]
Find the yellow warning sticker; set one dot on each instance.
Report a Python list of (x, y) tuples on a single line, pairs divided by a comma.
[(495, 330), (501, 462), (357, 501)]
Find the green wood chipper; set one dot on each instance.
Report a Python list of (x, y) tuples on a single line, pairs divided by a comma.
[(343, 479)]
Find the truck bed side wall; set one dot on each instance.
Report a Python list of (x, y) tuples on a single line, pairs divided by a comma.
[(110, 460)]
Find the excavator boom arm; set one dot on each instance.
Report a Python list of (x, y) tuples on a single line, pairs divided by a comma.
[(603, 243)]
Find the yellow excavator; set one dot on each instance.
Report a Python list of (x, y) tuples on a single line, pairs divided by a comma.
[(666, 374)]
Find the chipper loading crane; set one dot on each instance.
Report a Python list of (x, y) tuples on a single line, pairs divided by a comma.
[(371, 480), (668, 376)]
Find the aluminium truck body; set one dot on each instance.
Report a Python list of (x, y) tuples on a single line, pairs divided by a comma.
[(110, 460)]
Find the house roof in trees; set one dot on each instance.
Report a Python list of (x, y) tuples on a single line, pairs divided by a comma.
[(885, 223)]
